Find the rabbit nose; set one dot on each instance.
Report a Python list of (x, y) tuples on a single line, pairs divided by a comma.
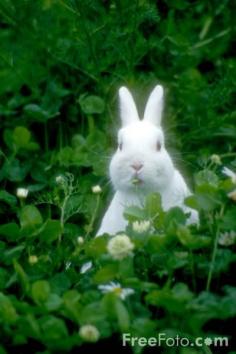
[(137, 166)]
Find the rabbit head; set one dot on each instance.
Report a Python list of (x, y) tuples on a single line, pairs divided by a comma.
[(141, 160)]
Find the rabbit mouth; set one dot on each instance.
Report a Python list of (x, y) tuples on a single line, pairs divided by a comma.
[(136, 181)]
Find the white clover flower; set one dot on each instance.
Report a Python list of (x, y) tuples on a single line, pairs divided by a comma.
[(208, 341), (60, 179), (232, 195), (116, 288), (33, 259), (85, 267), (229, 173), (89, 333), (80, 240), (227, 238), (216, 159), (96, 189), (22, 193), (141, 226), (120, 247)]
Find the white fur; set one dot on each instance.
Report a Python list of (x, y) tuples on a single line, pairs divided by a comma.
[(128, 110), (138, 142), (154, 107)]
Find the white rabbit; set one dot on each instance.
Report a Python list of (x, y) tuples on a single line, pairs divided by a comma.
[(141, 164)]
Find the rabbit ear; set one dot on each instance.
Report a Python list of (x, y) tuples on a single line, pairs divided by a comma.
[(154, 106), (128, 110)]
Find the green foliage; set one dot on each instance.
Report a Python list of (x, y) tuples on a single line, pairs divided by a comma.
[(61, 64), (47, 286)]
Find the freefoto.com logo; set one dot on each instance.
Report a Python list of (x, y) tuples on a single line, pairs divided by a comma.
[(177, 341)]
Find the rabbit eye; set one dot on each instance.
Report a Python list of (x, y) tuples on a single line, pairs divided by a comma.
[(120, 146), (158, 146)]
